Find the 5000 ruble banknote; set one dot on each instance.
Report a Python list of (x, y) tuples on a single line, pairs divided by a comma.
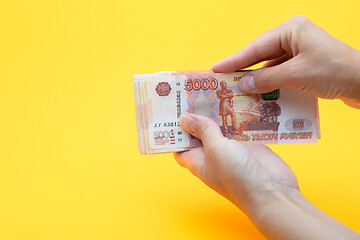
[(281, 116)]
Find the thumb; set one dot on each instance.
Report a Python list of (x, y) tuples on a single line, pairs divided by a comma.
[(204, 128), (265, 80)]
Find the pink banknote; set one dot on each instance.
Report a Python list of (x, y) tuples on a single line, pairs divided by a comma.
[(281, 116)]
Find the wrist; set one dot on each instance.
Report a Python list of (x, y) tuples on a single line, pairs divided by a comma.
[(285, 214), (273, 202)]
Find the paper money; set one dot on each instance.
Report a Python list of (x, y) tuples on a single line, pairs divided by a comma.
[(281, 116)]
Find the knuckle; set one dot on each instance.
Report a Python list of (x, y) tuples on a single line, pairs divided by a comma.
[(262, 81), (299, 21), (232, 62), (201, 128), (256, 53)]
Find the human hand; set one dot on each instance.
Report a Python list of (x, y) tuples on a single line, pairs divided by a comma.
[(258, 182), (244, 174), (299, 55)]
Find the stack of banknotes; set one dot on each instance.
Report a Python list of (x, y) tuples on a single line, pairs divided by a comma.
[(281, 116)]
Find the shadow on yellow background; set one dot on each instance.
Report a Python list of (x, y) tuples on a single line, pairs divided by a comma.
[(69, 164), (218, 223)]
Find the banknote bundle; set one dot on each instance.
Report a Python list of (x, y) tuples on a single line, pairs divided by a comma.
[(281, 116)]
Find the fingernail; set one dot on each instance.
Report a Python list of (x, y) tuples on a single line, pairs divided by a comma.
[(247, 84), (210, 69), (188, 123)]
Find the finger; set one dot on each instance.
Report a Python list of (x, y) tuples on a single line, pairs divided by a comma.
[(193, 160), (285, 75), (276, 61), (272, 44), (204, 128), (267, 46)]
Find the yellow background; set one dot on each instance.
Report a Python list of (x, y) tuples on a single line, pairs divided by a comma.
[(69, 164)]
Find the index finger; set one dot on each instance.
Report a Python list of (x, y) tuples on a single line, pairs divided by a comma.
[(270, 45)]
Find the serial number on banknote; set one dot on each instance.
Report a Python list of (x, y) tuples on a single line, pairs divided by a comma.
[(167, 124)]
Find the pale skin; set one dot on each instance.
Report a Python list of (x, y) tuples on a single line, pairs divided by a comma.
[(299, 55)]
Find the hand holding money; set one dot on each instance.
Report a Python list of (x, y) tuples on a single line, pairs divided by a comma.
[(281, 116), (301, 56), (246, 174)]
